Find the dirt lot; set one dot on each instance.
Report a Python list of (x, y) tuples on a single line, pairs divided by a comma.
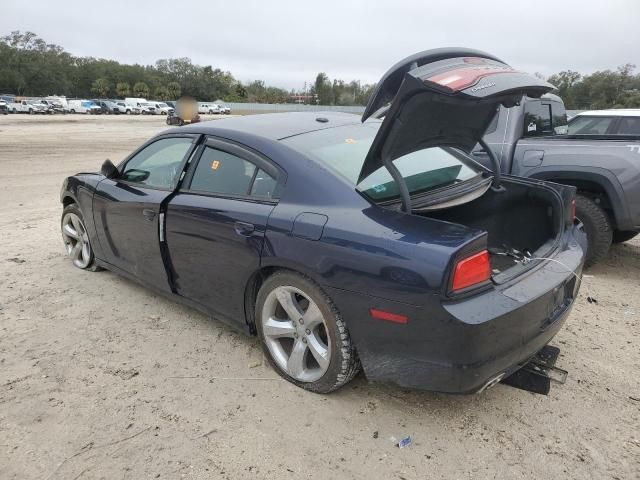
[(102, 379)]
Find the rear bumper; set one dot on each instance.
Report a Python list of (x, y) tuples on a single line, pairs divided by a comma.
[(458, 347)]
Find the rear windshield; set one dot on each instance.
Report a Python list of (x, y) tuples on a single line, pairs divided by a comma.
[(344, 149), (543, 118)]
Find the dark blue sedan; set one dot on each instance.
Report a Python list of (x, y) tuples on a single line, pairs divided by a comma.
[(344, 243)]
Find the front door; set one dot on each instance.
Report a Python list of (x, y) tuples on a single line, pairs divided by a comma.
[(216, 223), (127, 209)]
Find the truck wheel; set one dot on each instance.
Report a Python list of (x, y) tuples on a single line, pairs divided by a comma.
[(620, 236), (31, 111), (597, 226), (303, 335)]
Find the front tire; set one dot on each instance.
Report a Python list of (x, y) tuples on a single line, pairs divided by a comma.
[(597, 226), (303, 334), (76, 239)]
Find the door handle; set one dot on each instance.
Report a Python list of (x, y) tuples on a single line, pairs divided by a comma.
[(148, 214), (245, 229)]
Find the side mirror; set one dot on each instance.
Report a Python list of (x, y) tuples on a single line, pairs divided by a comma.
[(108, 169)]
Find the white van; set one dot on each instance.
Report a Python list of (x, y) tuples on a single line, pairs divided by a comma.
[(134, 102), (162, 108), (83, 106), (144, 107)]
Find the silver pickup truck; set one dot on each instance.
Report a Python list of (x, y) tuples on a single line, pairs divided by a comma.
[(597, 152)]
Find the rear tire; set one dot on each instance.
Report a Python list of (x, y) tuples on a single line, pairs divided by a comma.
[(621, 236), (307, 343), (597, 226)]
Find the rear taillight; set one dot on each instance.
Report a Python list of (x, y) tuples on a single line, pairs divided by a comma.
[(471, 271)]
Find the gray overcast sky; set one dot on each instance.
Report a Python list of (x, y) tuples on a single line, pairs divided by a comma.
[(286, 42)]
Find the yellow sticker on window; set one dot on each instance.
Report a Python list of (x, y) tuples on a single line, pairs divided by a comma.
[(350, 140), (215, 164)]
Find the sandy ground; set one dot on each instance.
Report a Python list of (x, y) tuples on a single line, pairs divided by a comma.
[(101, 379)]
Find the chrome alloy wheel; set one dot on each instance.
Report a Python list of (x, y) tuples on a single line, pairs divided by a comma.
[(76, 240), (295, 333)]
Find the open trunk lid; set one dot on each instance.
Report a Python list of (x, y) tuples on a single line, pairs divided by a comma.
[(442, 97)]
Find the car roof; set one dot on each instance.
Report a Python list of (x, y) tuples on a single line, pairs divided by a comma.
[(275, 126), (613, 112)]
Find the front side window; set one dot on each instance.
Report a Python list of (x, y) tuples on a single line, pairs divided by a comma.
[(588, 125), (343, 150), (158, 164)]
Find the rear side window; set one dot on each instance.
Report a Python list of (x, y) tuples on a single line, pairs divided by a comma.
[(264, 185), (224, 173), (588, 125), (629, 126), (537, 119)]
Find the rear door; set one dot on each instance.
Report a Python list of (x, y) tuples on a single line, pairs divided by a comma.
[(127, 209), (216, 223)]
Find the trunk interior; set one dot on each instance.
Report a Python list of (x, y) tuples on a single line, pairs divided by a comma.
[(524, 218)]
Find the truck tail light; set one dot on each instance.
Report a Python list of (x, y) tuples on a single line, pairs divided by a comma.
[(471, 270)]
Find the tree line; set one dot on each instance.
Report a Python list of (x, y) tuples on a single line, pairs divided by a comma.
[(603, 89), (30, 66)]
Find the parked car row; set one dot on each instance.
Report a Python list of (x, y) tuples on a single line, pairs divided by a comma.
[(129, 106), (56, 104)]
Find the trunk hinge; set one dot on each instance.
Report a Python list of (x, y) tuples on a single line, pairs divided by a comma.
[(402, 185), (497, 176)]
